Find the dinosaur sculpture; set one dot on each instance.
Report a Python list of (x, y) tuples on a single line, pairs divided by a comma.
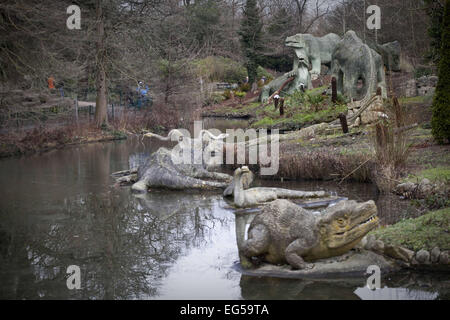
[(256, 196), (246, 179), (177, 135), (359, 70), (313, 50), (161, 172), (206, 144), (302, 81), (309, 51), (284, 232)]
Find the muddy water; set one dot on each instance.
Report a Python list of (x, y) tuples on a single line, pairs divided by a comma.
[(61, 208)]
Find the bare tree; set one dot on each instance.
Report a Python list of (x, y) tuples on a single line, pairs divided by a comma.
[(101, 116)]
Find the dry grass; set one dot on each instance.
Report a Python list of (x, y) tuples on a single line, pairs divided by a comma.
[(391, 146), (45, 137), (157, 118), (320, 165), (41, 138), (323, 165)]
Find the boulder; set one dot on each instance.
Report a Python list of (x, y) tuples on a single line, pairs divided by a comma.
[(405, 188), (411, 88), (377, 105), (424, 91), (399, 253), (444, 257), (435, 253), (370, 242), (369, 117), (426, 85), (378, 246), (423, 256)]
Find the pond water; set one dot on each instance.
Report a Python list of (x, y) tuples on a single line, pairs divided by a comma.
[(61, 208)]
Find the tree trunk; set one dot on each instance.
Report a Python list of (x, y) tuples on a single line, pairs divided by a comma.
[(333, 90), (101, 103)]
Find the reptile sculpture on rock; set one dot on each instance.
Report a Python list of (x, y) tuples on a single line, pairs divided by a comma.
[(286, 233), (255, 196), (179, 168), (161, 172)]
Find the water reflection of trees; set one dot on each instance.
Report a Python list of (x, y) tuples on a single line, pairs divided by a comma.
[(123, 245)]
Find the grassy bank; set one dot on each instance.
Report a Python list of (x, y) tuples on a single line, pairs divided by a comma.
[(300, 110), (425, 232), (436, 174)]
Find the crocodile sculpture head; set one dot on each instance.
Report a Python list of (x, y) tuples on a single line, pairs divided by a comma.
[(284, 232), (343, 226)]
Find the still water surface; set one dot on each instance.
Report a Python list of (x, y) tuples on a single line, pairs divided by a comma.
[(61, 208)]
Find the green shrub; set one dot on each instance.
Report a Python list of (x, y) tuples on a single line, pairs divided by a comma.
[(216, 68), (314, 99), (296, 99), (261, 72), (245, 87), (341, 99), (214, 99), (240, 94), (423, 71), (227, 94)]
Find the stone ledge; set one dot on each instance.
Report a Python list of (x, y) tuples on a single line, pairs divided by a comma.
[(351, 265)]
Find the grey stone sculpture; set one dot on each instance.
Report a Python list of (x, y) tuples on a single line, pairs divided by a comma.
[(359, 70)]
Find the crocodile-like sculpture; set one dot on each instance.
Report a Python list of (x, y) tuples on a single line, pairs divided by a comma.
[(284, 232), (256, 196)]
